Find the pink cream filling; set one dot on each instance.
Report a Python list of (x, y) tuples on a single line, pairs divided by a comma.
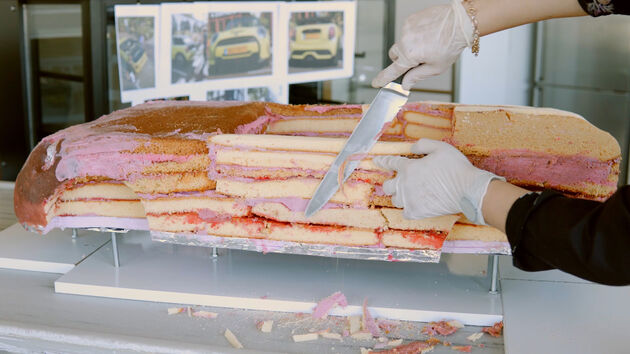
[(115, 165), (553, 170)]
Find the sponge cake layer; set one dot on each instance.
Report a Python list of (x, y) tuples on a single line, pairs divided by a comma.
[(355, 193), (169, 183), (362, 218)]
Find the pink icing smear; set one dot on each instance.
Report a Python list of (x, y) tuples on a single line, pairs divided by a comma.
[(554, 170), (368, 321), (325, 305), (112, 164)]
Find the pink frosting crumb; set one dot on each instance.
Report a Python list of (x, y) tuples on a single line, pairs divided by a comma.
[(325, 305)]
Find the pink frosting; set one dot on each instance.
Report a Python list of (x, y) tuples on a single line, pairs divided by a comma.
[(324, 109), (554, 170), (325, 305), (257, 126), (112, 164), (368, 321), (63, 222)]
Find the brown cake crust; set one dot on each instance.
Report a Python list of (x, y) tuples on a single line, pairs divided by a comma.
[(166, 120)]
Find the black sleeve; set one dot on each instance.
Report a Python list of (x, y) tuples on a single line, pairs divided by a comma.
[(605, 7), (585, 238)]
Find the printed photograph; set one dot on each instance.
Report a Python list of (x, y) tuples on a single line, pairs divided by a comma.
[(266, 94), (176, 98), (240, 44), (136, 52), (315, 41), (189, 47)]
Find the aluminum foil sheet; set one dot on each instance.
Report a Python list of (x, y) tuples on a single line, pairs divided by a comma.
[(265, 246)]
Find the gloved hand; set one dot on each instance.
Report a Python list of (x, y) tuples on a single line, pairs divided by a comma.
[(441, 183), (433, 37)]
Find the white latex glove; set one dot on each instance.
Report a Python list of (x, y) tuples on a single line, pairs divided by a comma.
[(433, 37), (441, 183)]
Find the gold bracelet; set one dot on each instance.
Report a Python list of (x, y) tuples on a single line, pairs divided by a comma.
[(472, 13)]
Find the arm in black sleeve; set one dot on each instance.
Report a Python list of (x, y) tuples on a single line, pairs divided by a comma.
[(605, 7), (585, 238)]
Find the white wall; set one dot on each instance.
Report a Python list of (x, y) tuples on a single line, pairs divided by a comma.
[(502, 72)]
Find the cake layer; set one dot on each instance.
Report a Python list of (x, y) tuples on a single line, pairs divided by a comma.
[(372, 177), (427, 119), (299, 143), (429, 240), (396, 220), (169, 183), (480, 130), (107, 190), (117, 208), (340, 126), (282, 160), (217, 206), (472, 232), (193, 163), (417, 131), (265, 229), (351, 193), (362, 218)]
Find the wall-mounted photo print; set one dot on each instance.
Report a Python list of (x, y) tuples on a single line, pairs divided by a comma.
[(320, 43), (189, 47), (136, 45), (274, 93), (136, 48), (315, 41), (240, 44)]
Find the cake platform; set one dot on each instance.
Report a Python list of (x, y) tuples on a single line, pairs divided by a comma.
[(170, 273)]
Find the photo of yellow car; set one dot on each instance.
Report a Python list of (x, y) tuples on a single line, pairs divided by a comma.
[(133, 54), (244, 40), (315, 41)]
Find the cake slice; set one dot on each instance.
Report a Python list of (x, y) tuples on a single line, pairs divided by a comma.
[(539, 148)]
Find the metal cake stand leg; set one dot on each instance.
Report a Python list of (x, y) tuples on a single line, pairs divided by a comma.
[(74, 234), (494, 260), (215, 254), (115, 250)]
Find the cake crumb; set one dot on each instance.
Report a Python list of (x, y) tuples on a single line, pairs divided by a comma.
[(325, 305), (362, 335), (175, 310), (205, 314), (394, 342), (475, 336), (462, 348), (305, 337), (331, 335), (354, 324), (496, 330), (266, 326), (232, 339)]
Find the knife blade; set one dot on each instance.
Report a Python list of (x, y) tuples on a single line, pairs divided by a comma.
[(388, 101)]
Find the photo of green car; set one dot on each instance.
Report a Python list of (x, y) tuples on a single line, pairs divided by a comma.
[(315, 39), (240, 42)]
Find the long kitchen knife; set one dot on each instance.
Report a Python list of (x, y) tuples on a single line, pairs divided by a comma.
[(383, 109)]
